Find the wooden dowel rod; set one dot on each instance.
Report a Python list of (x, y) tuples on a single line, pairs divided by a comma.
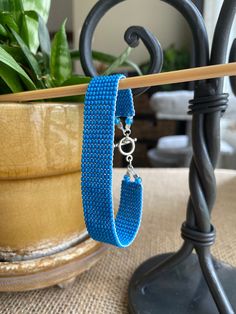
[(188, 75)]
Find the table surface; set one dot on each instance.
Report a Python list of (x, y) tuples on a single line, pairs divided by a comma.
[(103, 289)]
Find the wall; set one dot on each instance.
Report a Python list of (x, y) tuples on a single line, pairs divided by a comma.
[(60, 10), (164, 21), (211, 13)]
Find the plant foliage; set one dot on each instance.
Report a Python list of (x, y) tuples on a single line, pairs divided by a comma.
[(29, 60)]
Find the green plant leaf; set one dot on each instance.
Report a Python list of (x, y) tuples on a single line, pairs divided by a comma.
[(48, 82), (74, 80), (75, 54), (3, 32), (32, 62), (10, 78), (103, 57), (10, 62), (123, 60), (15, 52), (44, 37), (14, 7), (5, 5), (41, 7), (29, 20), (60, 61), (6, 19), (11, 6), (45, 43), (96, 55), (134, 66), (24, 34), (119, 61), (4, 88), (29, 29), (107, 59)]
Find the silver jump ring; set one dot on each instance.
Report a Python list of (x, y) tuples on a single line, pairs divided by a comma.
[(127, 132), (125, 141), (129, 158)]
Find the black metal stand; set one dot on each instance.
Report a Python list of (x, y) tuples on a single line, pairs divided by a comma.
[(183, 282), (180, 289)]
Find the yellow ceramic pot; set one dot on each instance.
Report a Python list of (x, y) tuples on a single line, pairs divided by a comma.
[(40, 171)]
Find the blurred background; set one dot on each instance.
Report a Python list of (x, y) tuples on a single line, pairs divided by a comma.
[(162, 124)]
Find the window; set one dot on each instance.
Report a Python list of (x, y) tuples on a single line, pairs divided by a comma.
[(211, 13)]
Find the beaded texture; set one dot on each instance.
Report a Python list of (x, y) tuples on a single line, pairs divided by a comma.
[(103, 105)]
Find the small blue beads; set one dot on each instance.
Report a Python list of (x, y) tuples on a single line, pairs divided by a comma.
[(103, 106), (129, 120), (126, 178), (138, 180), (117, 121)]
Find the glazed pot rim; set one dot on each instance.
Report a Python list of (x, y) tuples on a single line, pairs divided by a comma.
[(32, 266), (51, 270), (40, 103)]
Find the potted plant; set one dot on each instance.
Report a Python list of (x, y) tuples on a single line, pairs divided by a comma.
[(42, 227)]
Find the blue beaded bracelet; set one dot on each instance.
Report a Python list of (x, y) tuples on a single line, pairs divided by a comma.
[(104, 108)]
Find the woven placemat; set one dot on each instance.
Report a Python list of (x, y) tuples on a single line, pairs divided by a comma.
[(103, 289)]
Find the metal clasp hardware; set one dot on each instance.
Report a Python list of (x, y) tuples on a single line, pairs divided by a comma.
[(131, 172), (127, 140)]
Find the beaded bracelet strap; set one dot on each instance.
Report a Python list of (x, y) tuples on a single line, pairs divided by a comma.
[(104, 107)]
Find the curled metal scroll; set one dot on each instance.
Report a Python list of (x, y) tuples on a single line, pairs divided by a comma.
[(132, 36), (232, 58)]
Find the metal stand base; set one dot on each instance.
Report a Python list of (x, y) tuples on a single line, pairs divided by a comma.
[(180, 290)]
